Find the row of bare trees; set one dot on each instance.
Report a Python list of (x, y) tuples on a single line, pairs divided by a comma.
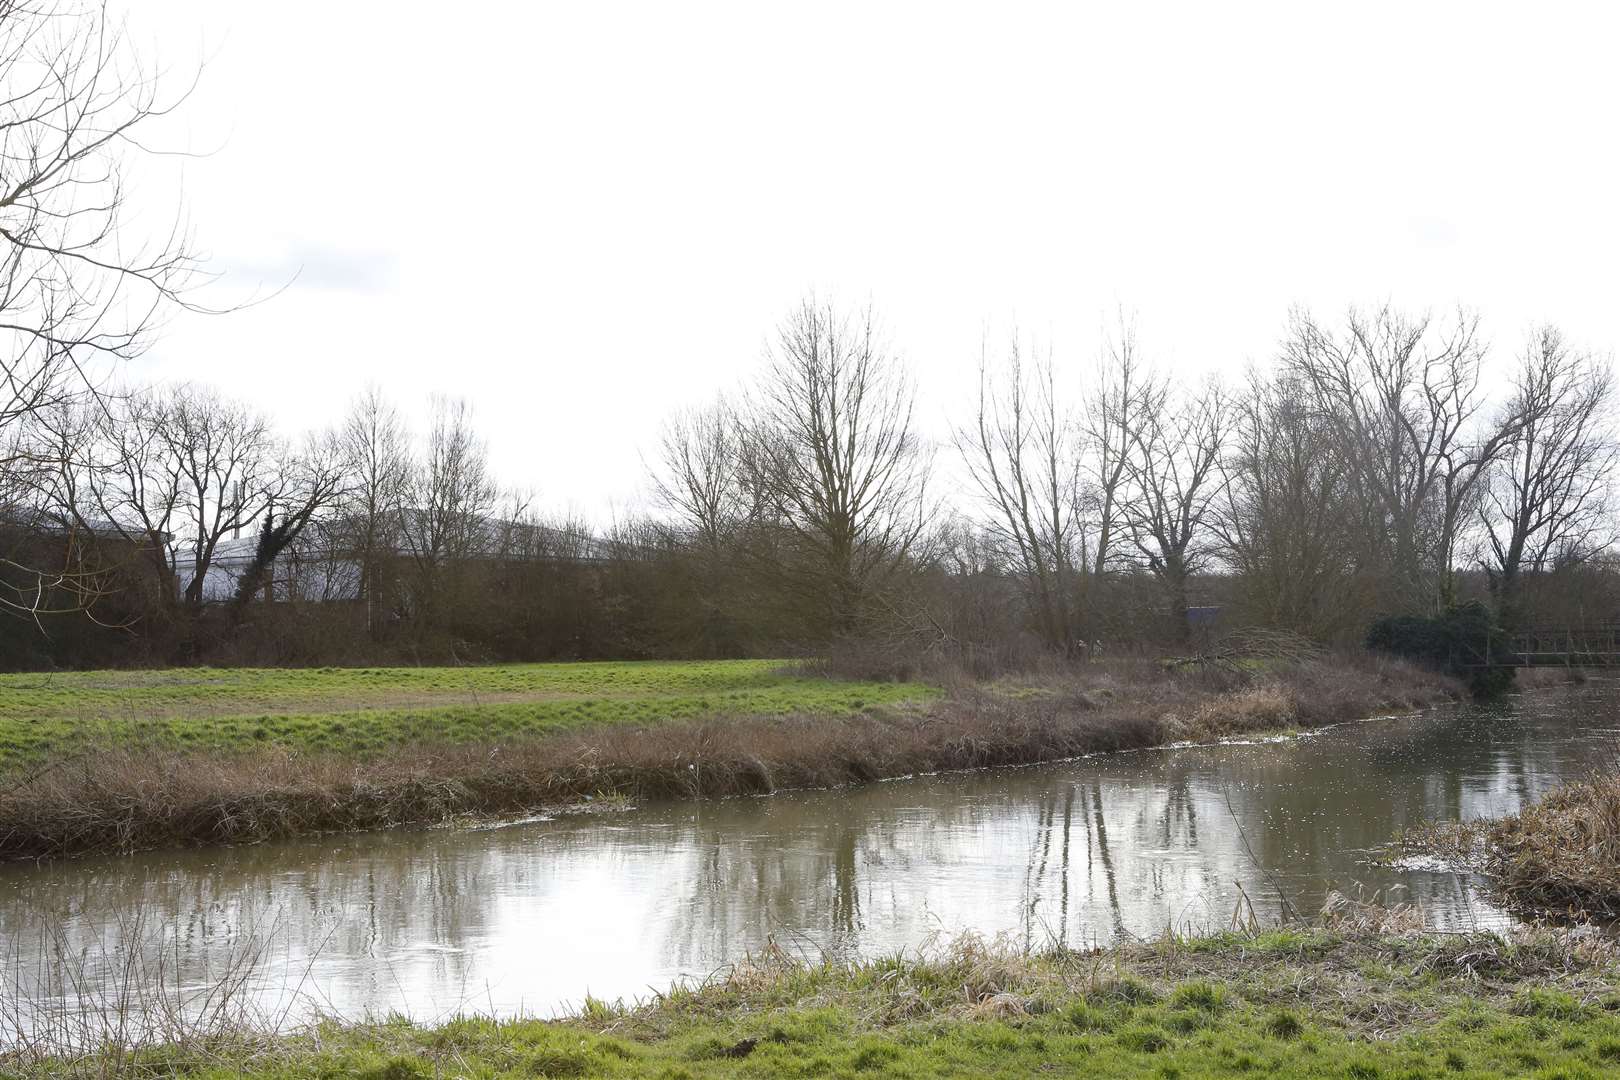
[(1121, 481), (1360, 473), (1436, 473), (182, 502), (1365, 471)]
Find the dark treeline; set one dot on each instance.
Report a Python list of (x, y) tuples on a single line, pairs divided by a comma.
[(1370, 469)]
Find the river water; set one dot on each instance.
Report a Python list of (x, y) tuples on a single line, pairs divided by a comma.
[(531, 917)]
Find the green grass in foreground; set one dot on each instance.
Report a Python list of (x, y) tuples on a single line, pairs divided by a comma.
[(1293, 1003), (364, 710)]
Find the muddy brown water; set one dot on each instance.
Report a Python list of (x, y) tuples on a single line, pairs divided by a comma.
[(530, 917)]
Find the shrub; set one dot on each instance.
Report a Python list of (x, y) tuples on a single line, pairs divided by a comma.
[(1456, 642)]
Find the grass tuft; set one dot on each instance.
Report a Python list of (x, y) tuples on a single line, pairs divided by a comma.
[(1284, 1025), (1144, 1039)]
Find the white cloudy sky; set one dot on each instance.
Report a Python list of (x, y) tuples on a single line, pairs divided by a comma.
[(581, 215)]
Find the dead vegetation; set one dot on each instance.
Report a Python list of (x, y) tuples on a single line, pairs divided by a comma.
[(123, 995), (1559, 858), (1537, 678), (116, 799)]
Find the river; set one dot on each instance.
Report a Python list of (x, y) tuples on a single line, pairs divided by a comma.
[(530, 917)]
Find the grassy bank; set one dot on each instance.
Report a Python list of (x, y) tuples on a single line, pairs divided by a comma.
[(122, 761), (356, 712), (1346, 999), (1559, 858)]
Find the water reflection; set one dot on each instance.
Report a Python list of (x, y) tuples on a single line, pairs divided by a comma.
[(531, 917)]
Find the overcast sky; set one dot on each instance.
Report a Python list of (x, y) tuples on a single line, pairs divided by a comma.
[(581, 215)]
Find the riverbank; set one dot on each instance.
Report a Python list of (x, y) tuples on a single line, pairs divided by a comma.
[(1558, 858), (422, 765), (1360, 995), (359, 712)]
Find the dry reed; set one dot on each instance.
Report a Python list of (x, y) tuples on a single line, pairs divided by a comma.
[(102, 1011), (1560, 857)]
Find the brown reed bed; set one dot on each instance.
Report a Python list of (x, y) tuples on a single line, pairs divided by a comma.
[(1559, 858), (114, 799)]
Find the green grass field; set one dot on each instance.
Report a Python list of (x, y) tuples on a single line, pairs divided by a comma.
[(364, 710)]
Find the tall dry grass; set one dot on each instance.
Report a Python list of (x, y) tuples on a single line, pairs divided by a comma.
[(1537, 678), (114, 799), (123, 1007), (1559, 857)]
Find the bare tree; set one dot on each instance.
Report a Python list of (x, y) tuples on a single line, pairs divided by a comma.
[(1022, 454), (1173, 468), (124, 479), (1405, 396), (1111, 412), (228, 463), (703, 478), (841, 467), (375, 447), (1546, 499), (49, 564), (311, 482), (1286, 520), (177, 471), (78, 282), (445, 520), (703, 470), (163, 478)]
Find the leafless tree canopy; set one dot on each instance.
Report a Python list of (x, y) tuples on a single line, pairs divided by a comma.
[(79, 283), (1546, 497), (840, 463), (1111, 407), (1173, 467), (75, 282), (1410, 419), (173, 473), (450, 496), (1024, 455), (374, 443), (1287, 519), (703, 471), (312, 482), (1371, 469)]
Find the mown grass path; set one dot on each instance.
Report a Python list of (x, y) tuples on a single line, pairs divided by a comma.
[(365, 710)]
